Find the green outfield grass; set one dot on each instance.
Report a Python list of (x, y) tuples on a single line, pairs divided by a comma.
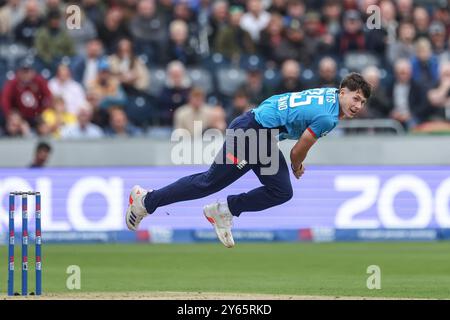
[(408, 270)]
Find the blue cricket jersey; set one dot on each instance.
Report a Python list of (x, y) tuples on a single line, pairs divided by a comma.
[(316, 110)]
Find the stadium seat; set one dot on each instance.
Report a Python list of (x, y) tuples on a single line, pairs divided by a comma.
[(201, 78), (358, 61), (272, 78), (13, 53), (229, 80), (215, 61), (141, 110), (157, 81)]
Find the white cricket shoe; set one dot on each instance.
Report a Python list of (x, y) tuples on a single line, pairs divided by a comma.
[(136, 210), (221, 218)]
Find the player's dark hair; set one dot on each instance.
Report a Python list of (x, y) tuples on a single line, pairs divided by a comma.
[(354, 82)]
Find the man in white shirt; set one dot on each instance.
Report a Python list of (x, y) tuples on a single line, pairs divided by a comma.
[(255, 20), (64, 86)]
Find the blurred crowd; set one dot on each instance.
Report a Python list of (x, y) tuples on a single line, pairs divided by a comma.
[(131, 67)]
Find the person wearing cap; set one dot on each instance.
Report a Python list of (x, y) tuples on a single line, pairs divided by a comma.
[(53, 42), (438, 37), (254, 87), (105, 90), (27, 92), (296, 46), (232, 41), (352, 36)]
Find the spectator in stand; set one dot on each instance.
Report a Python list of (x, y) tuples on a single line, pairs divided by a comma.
[(279, 7), (378, 104), (331, 15), (352, 37), (25, 31), (327, 74), (290, 78), (129, 8), (42, 129), (232, 41), (421, 21), (52, 5), (377, 39), (439, 97), (442, 14), (296, 10), (218, 119), (112, 29), (404, 10), (41, 155), (408, 97), (425, 65), (254, 87), (56, 116), (315, 36), (179, 47), (129, 69), (445, 56), (438, 38), (11, 14), (239, 106), (81, 36), (165, 9), (94, 10), (119, 124), (85, 68), (403, 47), (105, 91), (255, 19), (16, 126), (184, 11), (27, 92), (296, 47), (273, 41), (52, 41), (218, 20), (68, 89), (83, 128), (149, 30), (175, 92), (195, 110)]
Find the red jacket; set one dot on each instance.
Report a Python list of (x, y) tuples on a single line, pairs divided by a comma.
[(30, 99)]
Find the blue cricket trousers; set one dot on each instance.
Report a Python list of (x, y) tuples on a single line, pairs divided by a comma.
[(276, 188)]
